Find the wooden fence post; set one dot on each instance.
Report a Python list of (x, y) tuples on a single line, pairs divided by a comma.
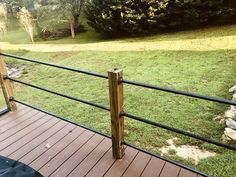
[(6, 86), (116, 106)]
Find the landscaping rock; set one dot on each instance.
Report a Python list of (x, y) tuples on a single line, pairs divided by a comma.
[(126, 132), (233, 89), (230, 113), (231, 123), (225, 139), (14, 71), (234, 96), (230, 133), (222, 121), (185, 151), (218, 118)]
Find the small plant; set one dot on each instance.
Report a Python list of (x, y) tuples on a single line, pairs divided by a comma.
[(26, 21), (172, 152)]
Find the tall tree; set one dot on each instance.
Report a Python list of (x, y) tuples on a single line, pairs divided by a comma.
[(70, 10), (53, 12)]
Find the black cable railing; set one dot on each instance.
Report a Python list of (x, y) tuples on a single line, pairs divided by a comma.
[(60, 117), (178, 92), (60, 94), (55, 66), (179, 131)]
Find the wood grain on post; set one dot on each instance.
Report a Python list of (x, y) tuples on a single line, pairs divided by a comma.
[(6, 86), (116, 106)]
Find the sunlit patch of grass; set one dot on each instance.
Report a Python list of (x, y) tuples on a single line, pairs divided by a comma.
[(222, 39)]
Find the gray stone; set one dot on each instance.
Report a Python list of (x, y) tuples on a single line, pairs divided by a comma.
[(222, 121), (230, 113), (126, 132), (14, 72), (231, 123), (230, 133), (218, 118), (225, 138), (232, 89), (234, 96)]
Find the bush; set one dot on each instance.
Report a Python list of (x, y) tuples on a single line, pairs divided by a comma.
[(134, 17), (57, 33)]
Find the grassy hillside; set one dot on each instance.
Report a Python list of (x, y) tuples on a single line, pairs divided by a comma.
[(202, 61)]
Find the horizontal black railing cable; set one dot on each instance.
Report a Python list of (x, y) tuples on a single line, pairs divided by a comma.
[(59, 94), (194, 95), (165, 159), (60, 117), (179, 131), (55, 66)]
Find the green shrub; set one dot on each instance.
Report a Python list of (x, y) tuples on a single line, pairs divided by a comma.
[(57, 32), (134, 17)]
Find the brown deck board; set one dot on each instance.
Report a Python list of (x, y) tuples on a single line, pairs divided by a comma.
[(17, 120), (75, 159), (42, 148), (84, 167), (11, 115), (23, 128), (170, 170), (186, 173), (19, 142), (138, 165), (44, 140), (14, 117), (119, 167), (57, 148), (11, 139), (153, 168), (102, 165)]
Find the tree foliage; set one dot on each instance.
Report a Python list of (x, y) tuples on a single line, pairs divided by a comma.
[(54, 14), (131, 17), (70, 10), (3, 19)]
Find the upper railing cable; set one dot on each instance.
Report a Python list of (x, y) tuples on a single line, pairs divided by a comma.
[(55, 66)]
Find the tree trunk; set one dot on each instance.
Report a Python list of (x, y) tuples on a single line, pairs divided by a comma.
[(72, 29), (32, 38)]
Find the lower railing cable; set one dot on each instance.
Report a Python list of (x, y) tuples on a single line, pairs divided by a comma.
[(179, 131), (60, 117), (60, 94)]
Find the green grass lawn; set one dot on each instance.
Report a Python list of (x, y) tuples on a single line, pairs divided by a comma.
[(209, 72)]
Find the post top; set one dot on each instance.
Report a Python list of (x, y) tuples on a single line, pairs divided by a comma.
[(115, 70)]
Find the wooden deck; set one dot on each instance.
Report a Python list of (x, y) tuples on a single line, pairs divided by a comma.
[(57, 148)]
